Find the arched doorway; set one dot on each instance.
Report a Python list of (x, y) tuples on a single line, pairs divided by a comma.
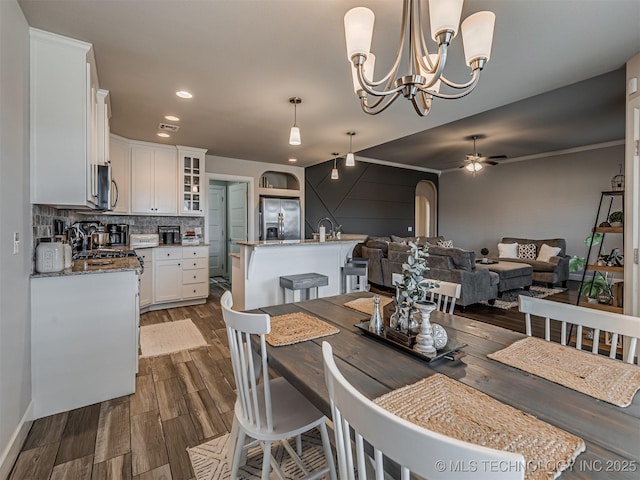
[(426, 209)]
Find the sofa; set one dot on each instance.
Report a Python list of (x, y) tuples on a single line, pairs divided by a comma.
[(387, 254), (553, 271)]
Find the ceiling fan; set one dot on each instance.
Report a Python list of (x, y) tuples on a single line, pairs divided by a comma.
[(475, 161)]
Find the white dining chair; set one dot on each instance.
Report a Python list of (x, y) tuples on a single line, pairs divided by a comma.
[(414, 449), (615, 324), (445, 295), (270, 411)]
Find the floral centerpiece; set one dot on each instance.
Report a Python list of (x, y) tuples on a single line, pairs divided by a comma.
[(414, 286)]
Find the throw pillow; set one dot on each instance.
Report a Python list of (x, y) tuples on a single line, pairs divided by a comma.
[(508, 250), (546, 252), (527, 251), (445, 243)]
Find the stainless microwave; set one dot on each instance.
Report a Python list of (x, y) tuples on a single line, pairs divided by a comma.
[(106, 200)]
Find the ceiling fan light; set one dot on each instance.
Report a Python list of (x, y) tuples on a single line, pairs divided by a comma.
[(444, 15), (294, 136), (477, 36), (358, 29)]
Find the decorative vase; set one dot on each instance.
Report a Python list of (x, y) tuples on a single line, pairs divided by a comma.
[(395, 317), (376, 323), (424, 340)]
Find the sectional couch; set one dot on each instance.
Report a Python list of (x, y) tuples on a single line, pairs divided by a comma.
[(555, 270), (387, 254)]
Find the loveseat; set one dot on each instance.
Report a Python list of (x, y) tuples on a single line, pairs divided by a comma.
[(553, 270), (387, 254)]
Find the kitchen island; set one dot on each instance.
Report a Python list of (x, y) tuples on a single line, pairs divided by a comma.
[(256, 270)]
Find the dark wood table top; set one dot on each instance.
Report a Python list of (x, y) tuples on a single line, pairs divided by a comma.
[(611, 433)]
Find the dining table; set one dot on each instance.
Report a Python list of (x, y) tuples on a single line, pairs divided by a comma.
[(611, 433)]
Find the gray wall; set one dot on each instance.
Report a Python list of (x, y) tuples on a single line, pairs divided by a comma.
[(15, 216), (542, 198), (368, 198)]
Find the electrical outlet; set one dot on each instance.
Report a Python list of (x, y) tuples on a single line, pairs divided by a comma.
[(16, 243), (409, 229), (198, 230)]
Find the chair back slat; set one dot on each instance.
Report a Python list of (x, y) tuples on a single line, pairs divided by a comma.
[(445, 295), (254, 396), (616, 324), (413, 448)]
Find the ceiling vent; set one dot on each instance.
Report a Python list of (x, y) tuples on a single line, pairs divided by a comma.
[(168, 127)]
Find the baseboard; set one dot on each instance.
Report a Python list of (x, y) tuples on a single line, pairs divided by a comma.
[(12, 450)]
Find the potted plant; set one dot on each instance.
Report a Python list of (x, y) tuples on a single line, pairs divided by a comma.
[(413, 287), (484, 251), (596, 287), (616, 218), (576, 263)]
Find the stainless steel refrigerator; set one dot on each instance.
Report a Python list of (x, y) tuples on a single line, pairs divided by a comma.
[(279, 218)]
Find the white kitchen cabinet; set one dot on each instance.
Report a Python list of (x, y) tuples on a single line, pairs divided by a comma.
[(191, 166), (84, 339), (167, 275), (120, 172), (146, 279), (180, 276), (154, 187), (64, 121)]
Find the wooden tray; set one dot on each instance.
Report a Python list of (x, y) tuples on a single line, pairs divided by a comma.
[(449, 351)]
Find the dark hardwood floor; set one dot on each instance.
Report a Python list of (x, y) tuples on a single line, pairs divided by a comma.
[(181, 400)]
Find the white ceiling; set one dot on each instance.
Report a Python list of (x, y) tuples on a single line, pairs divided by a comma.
[(243, 59)]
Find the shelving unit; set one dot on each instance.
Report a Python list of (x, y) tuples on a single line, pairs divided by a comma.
[(616, 307)]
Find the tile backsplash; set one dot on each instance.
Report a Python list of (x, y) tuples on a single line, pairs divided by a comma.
[(44, 216)]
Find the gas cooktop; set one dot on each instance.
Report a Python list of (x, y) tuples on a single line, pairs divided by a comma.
[(104, 253)]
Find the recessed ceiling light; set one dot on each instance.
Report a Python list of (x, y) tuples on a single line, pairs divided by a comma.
[(163, 135), (184, 94), (293, 159), (172, 118)]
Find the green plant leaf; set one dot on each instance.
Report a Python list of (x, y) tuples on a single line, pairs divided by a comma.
[(576, 263), (593, 239)]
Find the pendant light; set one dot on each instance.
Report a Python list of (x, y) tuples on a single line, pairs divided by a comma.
[(294, 134), (334, 170), (351, 158)]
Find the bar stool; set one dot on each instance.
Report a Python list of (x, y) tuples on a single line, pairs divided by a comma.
[(355, 270), (302, 281)]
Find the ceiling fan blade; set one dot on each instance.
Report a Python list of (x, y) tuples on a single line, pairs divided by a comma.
[(485, 161), (496, 156)]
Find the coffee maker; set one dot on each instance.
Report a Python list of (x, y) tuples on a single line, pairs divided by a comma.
[(118, 234)]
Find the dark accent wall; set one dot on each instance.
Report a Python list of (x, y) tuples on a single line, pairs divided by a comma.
[(367, 198)]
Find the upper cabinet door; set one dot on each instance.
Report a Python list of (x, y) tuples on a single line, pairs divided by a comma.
[(63, 121), (166, 190), (120, 161), (153, 180), (191, 173)]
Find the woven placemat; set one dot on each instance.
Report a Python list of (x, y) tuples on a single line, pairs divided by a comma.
[(365, 304), (297, 327), (443, 405), (599, 377)]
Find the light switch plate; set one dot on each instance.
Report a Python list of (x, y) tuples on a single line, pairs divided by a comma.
[(409, 229), (16, 243)]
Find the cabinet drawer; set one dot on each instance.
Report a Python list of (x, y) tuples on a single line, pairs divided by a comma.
[(195, 290), (194, 276), (168, 253), (195, 252), (194, 263)]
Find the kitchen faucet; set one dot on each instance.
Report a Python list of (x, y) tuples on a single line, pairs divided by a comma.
[(330, 232)]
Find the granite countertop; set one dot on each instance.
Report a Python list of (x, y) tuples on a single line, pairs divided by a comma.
[(96, 265), (275, 243)]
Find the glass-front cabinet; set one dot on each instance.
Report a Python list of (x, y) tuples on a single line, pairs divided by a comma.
[(192, 169)]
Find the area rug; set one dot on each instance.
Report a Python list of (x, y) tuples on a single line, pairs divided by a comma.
[(600, 377), (509, 299), (209, 460), (169, 337), (297, 327), (451, 408)]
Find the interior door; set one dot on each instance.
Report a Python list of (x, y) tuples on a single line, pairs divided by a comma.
[(237, 215), (217, 235)]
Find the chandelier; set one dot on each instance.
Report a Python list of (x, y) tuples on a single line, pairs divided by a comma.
[(424, 76)]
